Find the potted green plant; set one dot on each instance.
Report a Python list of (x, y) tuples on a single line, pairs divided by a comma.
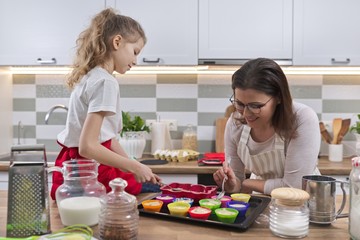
[(132, 136), (135, 124), (355, 128)]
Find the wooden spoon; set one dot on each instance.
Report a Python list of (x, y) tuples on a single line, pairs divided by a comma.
[(344, 129), (324, 133), (337, 122)]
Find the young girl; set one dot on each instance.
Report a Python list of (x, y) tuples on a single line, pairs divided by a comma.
[(271, 136), (111, 43)]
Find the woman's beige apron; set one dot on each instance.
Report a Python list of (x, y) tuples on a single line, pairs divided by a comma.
[(267, 165)]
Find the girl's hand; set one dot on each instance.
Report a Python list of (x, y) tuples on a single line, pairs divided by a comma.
[(144, 174), (232, 181)]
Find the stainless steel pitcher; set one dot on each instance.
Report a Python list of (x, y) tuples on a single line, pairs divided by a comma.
[(28, 198), (322, 191)]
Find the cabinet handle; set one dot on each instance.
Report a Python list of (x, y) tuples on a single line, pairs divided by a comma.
[(334, 61), (157, 60), (51, 61)]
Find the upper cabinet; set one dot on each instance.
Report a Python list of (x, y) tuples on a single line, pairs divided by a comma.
[(170, 27), (243, 29), (326, 32), (43, 32)]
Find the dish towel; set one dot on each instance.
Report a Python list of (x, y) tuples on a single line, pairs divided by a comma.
[(160, 137)]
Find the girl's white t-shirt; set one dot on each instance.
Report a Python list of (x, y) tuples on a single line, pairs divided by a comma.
[(97, 91)]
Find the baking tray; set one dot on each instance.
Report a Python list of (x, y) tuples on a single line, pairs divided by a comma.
[(257, 205)]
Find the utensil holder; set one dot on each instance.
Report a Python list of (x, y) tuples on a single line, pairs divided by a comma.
[(336, 152)]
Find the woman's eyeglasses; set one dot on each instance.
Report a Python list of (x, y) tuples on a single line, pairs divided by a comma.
[(252, 107)]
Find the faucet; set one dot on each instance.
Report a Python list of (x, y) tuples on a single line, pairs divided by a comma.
[(47, 116)]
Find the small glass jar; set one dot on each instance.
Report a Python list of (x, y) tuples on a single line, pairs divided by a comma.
[(289, 221), (78, 198), (189, 140), (119, 216), (289, 213)]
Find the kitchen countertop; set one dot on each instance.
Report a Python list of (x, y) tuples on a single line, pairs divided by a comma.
[(152, 228), (325, 166)]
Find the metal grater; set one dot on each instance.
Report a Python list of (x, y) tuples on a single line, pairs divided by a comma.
[(28, 198)]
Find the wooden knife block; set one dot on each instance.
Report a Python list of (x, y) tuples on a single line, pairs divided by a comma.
[(220, 129)]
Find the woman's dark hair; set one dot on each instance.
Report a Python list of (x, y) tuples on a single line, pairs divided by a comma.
[(266, 76)]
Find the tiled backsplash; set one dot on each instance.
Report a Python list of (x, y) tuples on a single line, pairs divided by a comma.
[(190, 99)]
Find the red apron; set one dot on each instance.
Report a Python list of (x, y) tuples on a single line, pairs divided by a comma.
[(105, 173)]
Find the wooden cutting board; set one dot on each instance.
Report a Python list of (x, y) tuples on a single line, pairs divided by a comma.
[(219, 135)]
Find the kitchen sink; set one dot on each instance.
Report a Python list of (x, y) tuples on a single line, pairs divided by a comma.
[(30, 156)]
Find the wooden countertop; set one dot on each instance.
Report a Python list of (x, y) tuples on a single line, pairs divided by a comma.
[(326, 167), (152, 228)]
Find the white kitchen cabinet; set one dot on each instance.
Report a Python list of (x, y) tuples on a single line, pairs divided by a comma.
[(326, 32), (43, 32), (170, 28), (243, 29)]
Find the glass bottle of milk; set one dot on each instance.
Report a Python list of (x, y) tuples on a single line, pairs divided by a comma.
[(354, 213), (119, 216), (78, 198)]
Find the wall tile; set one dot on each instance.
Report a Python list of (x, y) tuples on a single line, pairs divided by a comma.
[(341, 79), (138, 104), (341, 106), (26, 118), (305, 80), (204, 79), (52, 91), (208, 119), (46, 79), (299, 91), (23, 79), (176, 91), (177, 79), (24, 104), (217, 105), (44, 104), (56, 118), (136, 79), (135, 91), (176, 105), (215, 91), (24, 91), (341, 92)]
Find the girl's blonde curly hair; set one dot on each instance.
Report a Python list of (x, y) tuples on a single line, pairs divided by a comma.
[(94, 44)]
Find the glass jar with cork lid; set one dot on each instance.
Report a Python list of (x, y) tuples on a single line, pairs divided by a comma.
[(189, 140), (289, 213)]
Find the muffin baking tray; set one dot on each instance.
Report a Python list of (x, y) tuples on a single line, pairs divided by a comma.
[(194, 191), (257, 205)]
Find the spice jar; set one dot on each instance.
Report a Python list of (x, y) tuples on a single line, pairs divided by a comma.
[(119, 216), (189, 140), (354, 212), (289, 213), (78, 198)]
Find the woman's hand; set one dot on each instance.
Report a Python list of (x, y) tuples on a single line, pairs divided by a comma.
[(232, 184)]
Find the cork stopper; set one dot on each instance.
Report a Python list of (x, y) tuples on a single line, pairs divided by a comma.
[(290, 196)]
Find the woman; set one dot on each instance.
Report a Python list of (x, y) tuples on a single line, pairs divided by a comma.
[(271, 136)]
